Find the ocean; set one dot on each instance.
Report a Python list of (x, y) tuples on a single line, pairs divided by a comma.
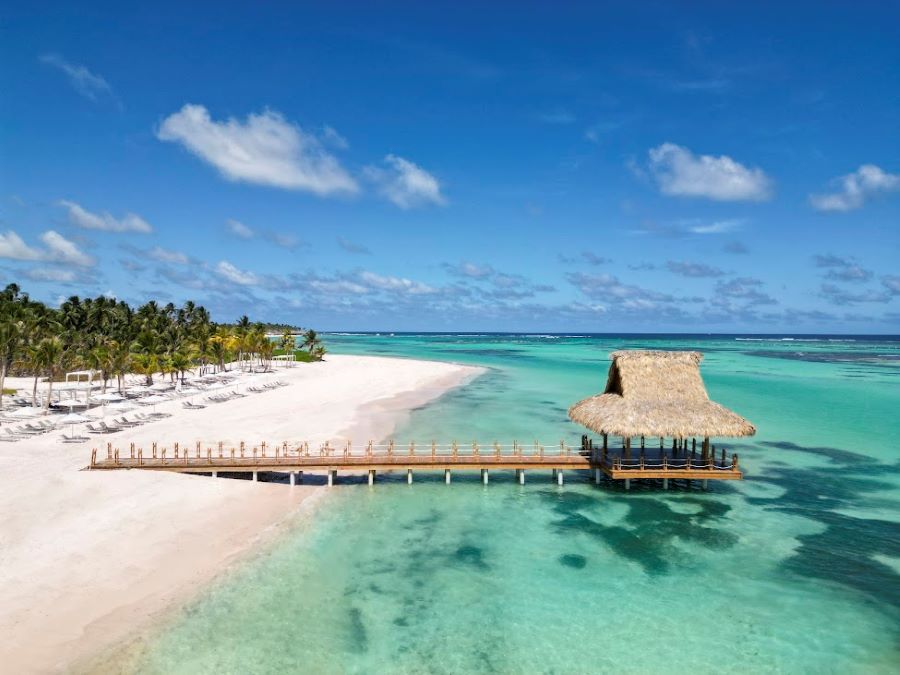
[(795, 569)]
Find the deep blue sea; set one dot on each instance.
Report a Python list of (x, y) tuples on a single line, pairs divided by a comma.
[(796, 569)]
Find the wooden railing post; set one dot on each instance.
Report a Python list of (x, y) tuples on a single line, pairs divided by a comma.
[(140, 456)]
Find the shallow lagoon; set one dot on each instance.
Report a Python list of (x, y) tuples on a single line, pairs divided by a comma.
[(795, 569)]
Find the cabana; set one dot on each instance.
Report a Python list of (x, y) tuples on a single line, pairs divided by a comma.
[(654, 396)]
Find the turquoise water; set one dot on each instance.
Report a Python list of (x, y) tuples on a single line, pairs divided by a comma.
[(795, 569)]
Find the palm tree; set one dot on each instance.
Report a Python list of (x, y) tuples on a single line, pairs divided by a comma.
[(49, 357), (313, 344), (288, 341), (180, 362)]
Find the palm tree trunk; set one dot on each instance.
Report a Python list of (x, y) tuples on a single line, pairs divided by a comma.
[(2, 381), (49, 390), (34, 392)]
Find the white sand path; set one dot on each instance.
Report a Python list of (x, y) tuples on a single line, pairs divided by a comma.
[(89, 558)]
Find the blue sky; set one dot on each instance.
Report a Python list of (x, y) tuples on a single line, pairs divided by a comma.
[(633, 166)]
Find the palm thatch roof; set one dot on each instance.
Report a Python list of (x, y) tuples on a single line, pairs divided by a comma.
[(656, 393)]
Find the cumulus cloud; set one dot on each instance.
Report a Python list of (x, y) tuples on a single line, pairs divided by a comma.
[(390, 283), (691, 269), (13, 247), (60, 249), (81, 217), (56, 249), (744, 289), (841, 296), (231, 273), (679, 172), (353, 247), (265, 149), (855, 188), (842, 269), (88, 84), (623, 296), (406, 184)]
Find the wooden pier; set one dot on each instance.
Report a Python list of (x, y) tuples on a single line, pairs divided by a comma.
[(616, 464)]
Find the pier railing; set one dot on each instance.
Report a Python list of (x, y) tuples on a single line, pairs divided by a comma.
[(625, 462)]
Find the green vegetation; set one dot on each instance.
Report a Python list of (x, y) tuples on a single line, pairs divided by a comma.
[(114, 339), (299, 355)]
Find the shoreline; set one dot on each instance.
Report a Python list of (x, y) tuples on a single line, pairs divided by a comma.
[(103, 590)]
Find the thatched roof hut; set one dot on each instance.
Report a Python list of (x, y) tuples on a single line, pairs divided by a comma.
[(657, 393)]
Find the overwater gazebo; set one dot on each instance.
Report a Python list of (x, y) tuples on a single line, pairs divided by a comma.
[(656, 398)]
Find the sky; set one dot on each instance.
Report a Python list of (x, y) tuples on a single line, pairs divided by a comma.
[(543, 167)]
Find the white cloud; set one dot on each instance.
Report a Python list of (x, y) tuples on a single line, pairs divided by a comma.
[(406, 184), (265, 149), (333, 138), (231, 273), (238, 229), (854, 188), (388, 283), (679, 172), (12, 247), (86, 83), (50, 274), (716, 227), (81, 217), (58, 249), (167, 255)]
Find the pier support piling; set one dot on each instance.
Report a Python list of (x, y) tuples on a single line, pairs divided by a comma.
[(559, 477), (409, 476), (255, 476), (331, 477), (300, 477), (627, 483), (665, 483), (484, 476), (215, 474), (371, 477), (597, 476), (521, 476), (293, 478), (705, 483), (447, 476)]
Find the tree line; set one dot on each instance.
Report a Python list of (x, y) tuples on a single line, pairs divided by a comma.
[(114, 339)]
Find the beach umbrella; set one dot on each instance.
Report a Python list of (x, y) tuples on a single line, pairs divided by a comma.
[(111, 396), (25, 412), (153, 400), (72, 419)]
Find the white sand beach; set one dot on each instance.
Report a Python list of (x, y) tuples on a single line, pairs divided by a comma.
[(88, 559)]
